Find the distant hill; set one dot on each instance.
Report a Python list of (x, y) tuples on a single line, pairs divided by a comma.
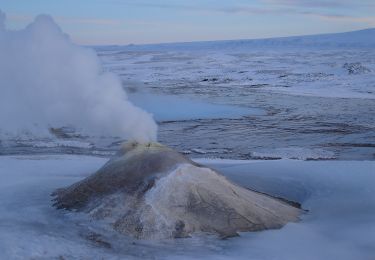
[(355, 39)]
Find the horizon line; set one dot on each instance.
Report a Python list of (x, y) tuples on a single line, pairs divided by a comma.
[(224, 40)]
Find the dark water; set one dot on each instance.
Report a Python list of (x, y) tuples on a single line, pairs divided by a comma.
[(331, 127), (342, 126)]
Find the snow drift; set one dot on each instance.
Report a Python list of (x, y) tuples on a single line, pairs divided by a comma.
[(48, 81)]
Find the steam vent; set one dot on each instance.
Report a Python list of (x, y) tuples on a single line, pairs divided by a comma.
[(152, 191)]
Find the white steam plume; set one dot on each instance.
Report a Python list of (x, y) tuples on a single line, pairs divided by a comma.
[(47, 81)]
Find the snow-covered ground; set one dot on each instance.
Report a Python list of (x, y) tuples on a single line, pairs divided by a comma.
[(331, 65), (341, 73), (338, 195), (317, 94), (310, 97)]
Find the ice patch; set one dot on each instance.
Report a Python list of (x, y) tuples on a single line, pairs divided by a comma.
[(297, 153), (57, 143), (200, 151), (174, 108)]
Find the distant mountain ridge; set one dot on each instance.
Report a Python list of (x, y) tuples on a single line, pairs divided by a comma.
[(354, 39)]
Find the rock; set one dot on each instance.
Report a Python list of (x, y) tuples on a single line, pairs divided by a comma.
[(355, 68), (152, 191)]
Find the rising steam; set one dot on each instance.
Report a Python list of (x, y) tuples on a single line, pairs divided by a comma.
[(47, 81)]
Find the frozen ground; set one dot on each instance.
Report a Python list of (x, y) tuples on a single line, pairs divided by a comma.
[(238, 102), (245, 99), (317, 98), (338, 225)]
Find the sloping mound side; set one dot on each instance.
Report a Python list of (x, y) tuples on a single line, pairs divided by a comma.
[(134, 167)]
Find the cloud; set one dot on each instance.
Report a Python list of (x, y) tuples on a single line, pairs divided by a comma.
[(321, 4), (196, 6), (2, 21), (66, 20), (369, 21), (304, 3), (329, 9), (62, 19)]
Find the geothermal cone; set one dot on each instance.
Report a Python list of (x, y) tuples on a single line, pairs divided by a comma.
[(152, 191)]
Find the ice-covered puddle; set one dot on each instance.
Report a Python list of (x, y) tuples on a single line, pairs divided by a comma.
[(172, 108), (338, 225)]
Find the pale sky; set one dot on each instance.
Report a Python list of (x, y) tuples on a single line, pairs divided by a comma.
[(96, 22)]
